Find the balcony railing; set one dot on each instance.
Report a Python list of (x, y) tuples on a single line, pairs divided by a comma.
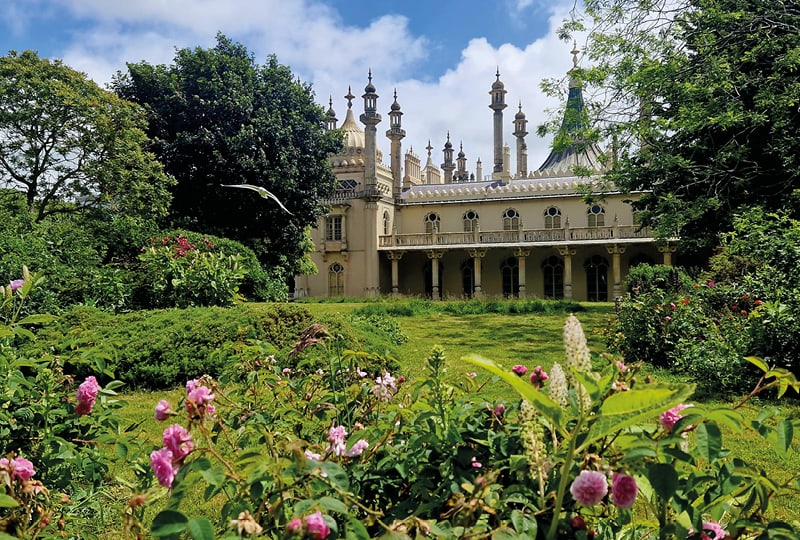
[(522, 237)]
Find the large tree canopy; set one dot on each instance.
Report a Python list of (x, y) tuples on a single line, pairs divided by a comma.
[(219, 118), (70, 145), (703, 103)]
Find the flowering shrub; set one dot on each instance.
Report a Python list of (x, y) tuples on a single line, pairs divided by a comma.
[(49, 429), (179, 273), (598, 435), (355, 451)]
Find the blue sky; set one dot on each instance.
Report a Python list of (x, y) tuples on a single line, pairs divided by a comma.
[(441, 56)]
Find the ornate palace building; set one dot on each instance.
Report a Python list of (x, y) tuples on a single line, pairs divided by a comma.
[(408, 228)]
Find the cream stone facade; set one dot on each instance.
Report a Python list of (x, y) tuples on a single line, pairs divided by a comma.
[(413, 228)]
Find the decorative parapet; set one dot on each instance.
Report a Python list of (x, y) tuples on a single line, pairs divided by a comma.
[(527, 237)]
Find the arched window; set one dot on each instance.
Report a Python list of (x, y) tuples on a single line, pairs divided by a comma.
[(510, 272), (597, 279), (468, 277), (596, 216), (386, 223), (511, 220), (552, 218), (553, 270), (336, 280), (431, 223), (470, 221)]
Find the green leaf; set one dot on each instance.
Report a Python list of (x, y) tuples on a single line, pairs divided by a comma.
[(663, 479), (6, 501), (708, 441), (200, 529), (549, 408), (168, 523), (758, 362), (355, 530), (625, 409), (214, 476), (332, 505), (39, 318)]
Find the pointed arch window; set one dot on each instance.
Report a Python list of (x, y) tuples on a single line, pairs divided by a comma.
[(468, 277), (470, 221), (511, 221), (596, 216), (510, 272), (386, 223), (336, 280), (553, 270), (552, 218), (596, 279), (432, 223)]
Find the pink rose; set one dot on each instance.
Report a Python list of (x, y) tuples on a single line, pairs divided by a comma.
[(19, 468), (316, 527), (163, 410), (191, 385), (538, 376), (86, 394), (623, 490), (161, 462), (669, 418), (358, 448), (519, 370), (716, 530), (178, 440), (295, 527), (88, 389), (589, 488), (16, 284)]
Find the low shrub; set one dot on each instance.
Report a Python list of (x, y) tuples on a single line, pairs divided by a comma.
[(164, 348)]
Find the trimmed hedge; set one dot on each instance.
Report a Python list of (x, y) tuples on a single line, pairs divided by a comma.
[(164, 348)]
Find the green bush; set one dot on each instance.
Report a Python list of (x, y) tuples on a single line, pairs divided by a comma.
[(164, 348)]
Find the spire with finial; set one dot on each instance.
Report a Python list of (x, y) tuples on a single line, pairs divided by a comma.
[(330, 119), (349, 97)]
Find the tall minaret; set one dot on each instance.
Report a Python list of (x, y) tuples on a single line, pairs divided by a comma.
[(370, 119), (498, 94), (462, 175), (395, 133), (448, 166), (520, 130), (479, 170), (330, 119)]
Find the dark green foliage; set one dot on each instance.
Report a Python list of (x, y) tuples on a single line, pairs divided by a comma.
[(165, 348), (220, 118), (644, 278), (702, 106)]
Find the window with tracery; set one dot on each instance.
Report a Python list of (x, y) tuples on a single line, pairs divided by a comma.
[(552, 218), (432, 223), (596, 216), (511, 220), (336, 280), (470, 221)]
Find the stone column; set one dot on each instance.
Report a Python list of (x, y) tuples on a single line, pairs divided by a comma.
[(667, 250), (616, 269), (522, 254), (395, 257), (567, 253), (434, 256), (372, 285), (477, 256)]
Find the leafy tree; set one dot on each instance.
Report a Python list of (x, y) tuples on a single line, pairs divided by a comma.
[(702, 101), (70, 145), (219, 118)]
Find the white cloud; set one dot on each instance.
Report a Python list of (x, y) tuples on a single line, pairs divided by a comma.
[(321, 48)]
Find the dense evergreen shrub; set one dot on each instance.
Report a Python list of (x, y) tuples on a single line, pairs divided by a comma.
[(164, 348), (475, 306)]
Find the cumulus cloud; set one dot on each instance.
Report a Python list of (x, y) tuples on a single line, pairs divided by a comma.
[(322, 48)]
